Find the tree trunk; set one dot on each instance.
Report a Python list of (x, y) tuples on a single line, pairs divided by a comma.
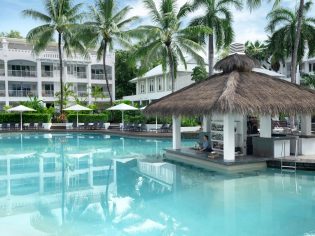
[(61, 73), (297, 42), (105, 73), (210, 54), (172, 69)]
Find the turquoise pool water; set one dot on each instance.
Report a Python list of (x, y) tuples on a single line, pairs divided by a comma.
[(95, 184)]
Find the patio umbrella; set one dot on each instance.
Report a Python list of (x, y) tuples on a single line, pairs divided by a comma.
[(77, 108), (21, 109), (122, 107)]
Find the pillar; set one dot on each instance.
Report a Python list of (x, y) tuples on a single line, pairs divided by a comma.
[(89, 88), (39, 79), (265, 126), (206, 123), (113, 79), (306, 124), (6, 83), (228, 137), (176, 132)]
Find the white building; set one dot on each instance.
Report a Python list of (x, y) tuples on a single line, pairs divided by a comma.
[(155, 84), (24, 74)]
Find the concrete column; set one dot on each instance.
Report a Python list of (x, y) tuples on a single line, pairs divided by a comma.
[(206, 123), (176, 132), (306, 124), (265, 126), (6, 83), (113, 81), (229, 137), (89, 78), (39, 79)]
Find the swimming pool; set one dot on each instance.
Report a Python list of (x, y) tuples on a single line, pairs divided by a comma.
[(95, 184)]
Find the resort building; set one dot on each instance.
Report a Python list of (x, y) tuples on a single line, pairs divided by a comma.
[(156, 84), (24, 74)]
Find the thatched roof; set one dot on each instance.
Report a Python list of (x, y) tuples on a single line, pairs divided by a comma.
[(239, 91)]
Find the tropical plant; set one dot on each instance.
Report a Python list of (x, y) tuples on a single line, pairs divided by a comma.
[(257, 50), (199, 74), (217, 16), (67, 94), (105, 28), (97, 92), (282, 23), (61, 18), (167, 39), (308, 80)]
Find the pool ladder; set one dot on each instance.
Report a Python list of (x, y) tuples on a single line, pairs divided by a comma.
[(289, 167)]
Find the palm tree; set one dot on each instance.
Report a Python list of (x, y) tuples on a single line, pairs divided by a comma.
[(167, 39), (282, 23), (308, 80), (106, 27), (218, 17), (257, 50), (97, 92), (61, 18)]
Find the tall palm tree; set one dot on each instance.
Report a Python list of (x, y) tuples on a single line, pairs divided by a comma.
[(61, 17), (105, 27), (167, 40), (256, 49), (282, 23), (217, 16)]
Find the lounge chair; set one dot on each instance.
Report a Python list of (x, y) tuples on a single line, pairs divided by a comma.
[(31, 126), (164, 128), (4, 126), (40, 125), (100, 125), (143, 127), (12, 126)]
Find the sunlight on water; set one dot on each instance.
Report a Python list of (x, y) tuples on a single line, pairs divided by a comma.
[(95, 184)]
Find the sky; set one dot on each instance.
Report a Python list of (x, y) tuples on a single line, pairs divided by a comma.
[(247, 25)]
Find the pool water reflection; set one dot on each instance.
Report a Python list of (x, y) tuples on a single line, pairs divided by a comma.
[(94, 184)]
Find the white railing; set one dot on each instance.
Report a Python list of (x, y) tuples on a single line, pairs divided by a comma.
[(82, 93), (22, 73), (22, 93), (78, 75), (47, 74), (48, 93), (101, 76)]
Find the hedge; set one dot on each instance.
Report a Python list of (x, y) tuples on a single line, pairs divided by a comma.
[(27, 117), (88, 118)]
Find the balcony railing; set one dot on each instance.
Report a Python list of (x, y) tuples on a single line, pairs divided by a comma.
[(22, 73), (47, 74), (78, 75), (22, 93), (2, 72), (82, 93), (2, 93), (101, 76), (48, 93)]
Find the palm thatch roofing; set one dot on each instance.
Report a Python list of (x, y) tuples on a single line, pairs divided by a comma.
[(237, 90)]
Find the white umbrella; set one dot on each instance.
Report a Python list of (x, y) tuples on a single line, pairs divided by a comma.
[(77, 108), (122, 107), (156, 129), (21, 109)]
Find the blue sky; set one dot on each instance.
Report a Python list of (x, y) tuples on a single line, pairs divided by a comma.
[(247, 25)]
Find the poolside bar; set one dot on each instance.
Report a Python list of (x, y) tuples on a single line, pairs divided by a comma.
[(227, 99)]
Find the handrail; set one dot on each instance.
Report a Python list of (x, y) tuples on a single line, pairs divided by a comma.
[(22, 73)]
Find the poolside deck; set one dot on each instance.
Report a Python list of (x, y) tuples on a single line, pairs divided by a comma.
[(242, 163)]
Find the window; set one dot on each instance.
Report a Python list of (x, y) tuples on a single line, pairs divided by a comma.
[(159, 84), (142, 87), (151, 85)]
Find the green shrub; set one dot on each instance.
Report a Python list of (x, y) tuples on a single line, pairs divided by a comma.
[(27, 117), (88, 118), (188, 122)]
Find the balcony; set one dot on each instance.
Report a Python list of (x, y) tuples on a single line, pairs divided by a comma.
[(82, 93), (22, 93), (48, 74), (101, 76), (22, 73), (2, 72), (48, 93)]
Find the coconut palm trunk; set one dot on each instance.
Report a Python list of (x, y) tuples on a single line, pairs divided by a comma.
[(210, 54), (172, 69), (105, 72), (61, 72), (297, 42)]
